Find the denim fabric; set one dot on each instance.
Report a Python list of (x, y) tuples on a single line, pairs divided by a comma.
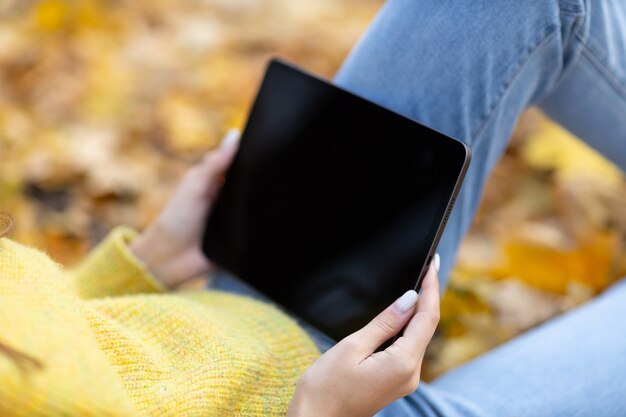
[(468, 69)]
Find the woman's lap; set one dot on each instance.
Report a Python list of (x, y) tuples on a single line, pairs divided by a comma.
[(570, 366)]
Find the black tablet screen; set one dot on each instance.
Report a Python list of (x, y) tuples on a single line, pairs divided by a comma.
[(333, 204)]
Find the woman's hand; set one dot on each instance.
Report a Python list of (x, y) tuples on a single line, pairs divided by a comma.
[(170, 246), (352, 380)]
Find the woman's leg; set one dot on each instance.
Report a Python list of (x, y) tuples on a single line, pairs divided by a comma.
[(591, 99), (571, 366), (469, 69)]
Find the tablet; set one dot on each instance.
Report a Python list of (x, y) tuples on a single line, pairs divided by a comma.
[(333, 205)]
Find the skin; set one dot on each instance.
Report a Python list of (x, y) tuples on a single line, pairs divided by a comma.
[(351, 379)]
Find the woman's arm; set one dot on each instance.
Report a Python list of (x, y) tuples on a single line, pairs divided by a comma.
[(353, 380), (112, 269)]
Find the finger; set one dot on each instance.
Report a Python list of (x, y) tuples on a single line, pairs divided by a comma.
[(422, 326), (386, 325), (217, 161), (429, 296), (230, 142)]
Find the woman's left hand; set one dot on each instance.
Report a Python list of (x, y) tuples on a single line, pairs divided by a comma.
[(352, 379), (170, 246)]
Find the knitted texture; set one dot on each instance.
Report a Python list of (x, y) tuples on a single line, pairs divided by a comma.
[(107, 340)]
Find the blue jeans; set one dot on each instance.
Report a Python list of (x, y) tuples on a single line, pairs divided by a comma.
[(468, 69)]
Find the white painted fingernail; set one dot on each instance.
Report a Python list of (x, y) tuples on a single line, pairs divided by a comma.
[(230, 138), (406, 302), (437, 262)]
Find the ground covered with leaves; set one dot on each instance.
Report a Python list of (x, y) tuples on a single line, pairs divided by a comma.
[(104, 103)]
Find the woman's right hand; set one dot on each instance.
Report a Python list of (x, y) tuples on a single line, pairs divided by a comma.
[(352, 380)]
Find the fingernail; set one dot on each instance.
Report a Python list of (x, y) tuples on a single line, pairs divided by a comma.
[(406, 302), (230, 138), (437, 262)]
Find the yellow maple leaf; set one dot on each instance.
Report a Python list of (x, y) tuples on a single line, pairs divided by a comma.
[(554, 148), (51, 15), (553, 269)]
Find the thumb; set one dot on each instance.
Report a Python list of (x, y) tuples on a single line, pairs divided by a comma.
[(216, 162), (386, 325)]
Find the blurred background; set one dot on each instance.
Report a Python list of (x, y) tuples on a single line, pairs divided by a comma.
[(104, 103)]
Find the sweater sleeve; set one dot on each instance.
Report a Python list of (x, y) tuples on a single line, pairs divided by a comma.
[(112, 269)]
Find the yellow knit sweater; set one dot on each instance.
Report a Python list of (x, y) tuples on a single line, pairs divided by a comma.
[(111, 342)]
